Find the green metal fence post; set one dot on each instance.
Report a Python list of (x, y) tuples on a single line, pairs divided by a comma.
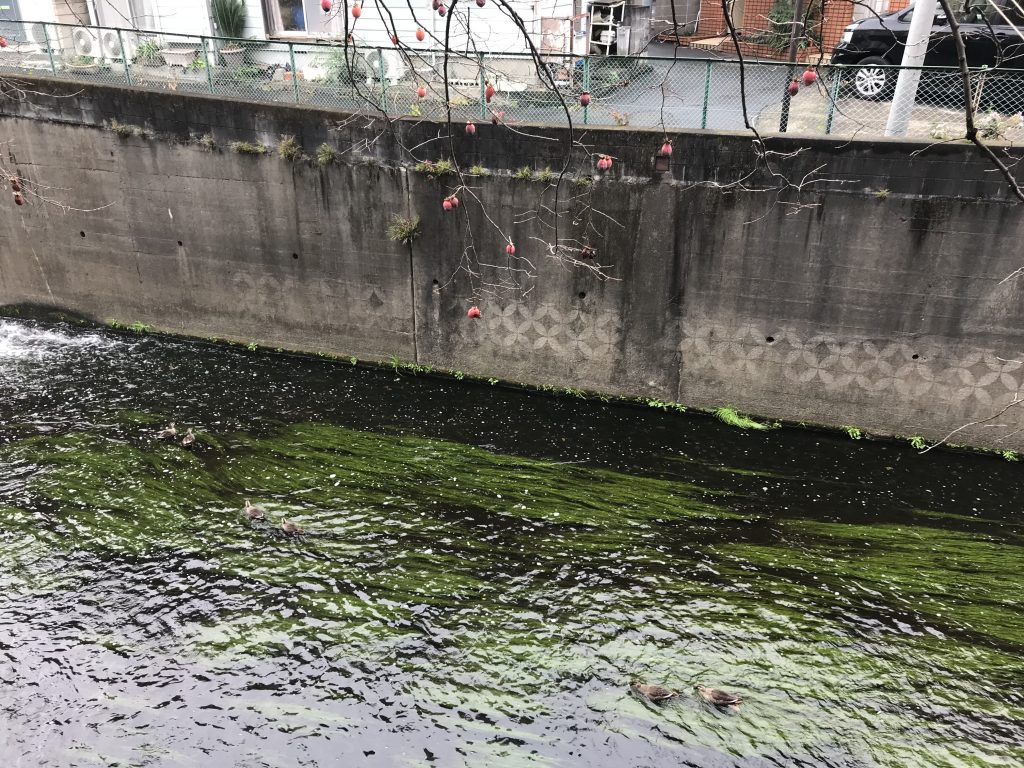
[(49, 49), (586, 87), (707, 95), (124, 59), (383, 81), (837, 76), (483, 88), (295, 72), (206, 62)]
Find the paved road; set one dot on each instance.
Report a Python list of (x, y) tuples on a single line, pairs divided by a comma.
[(672, 93)]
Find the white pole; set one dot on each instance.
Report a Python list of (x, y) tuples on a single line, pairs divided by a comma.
[(913, 56)]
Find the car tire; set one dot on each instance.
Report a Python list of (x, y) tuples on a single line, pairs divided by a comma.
[(873, 79)]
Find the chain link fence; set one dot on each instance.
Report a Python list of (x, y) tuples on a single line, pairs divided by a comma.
[(639, 91)]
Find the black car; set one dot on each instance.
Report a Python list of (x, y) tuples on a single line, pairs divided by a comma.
[(988, 30)]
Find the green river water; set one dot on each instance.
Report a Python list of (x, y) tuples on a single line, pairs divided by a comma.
[(483, 572)]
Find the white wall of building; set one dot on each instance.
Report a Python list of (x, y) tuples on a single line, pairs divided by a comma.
[(186, 17), (489, 28)]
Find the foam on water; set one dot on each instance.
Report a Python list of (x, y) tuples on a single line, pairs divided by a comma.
[(21, 341)]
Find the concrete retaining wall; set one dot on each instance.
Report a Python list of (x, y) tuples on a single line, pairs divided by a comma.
[(875, 297)]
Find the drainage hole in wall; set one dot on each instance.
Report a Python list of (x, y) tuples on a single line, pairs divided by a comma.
[(434, 282), (82, 234), (583, 294), (295, 255), (914, 357), (770, 339), (180, 243)]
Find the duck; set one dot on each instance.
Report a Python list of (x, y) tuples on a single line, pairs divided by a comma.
[(289, 527), (253, 512), (719, 698), (653, 692), (167, 434), (189, 439)]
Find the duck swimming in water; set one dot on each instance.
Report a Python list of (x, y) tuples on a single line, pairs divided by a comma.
[(167, 434), (189, 439), (719, 698), (253, 512), (653, 692), (289, 527)]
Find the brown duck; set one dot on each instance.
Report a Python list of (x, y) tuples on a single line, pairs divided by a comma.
[(719, 698), (289, 527), (167, 434), (253, 512), (653, 692), (189, 439)]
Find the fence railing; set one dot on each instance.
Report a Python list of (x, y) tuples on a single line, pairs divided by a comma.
[(642, 91)]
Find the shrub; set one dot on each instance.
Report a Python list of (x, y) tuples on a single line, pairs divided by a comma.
[(523, 174), (342, 67)]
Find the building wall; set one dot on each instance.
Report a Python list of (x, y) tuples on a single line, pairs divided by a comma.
[(58, 11), (186, 17), (835, 15), (686, 14), (837, 306), (492, 30), (71, 12)]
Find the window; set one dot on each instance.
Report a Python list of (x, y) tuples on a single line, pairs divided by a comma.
[(293, 16), (298, 17)]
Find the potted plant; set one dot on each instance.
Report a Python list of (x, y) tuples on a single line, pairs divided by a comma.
[(82, 64), (148, 54), (229, 15), (180, 55)]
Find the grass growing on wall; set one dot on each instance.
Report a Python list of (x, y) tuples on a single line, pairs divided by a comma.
[(326, 154), (289, 149), (126, 130), (247, 148), (436, 168), (733, 418), (403, 230)]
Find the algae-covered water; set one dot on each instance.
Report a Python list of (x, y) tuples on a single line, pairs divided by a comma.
[(483, 573)]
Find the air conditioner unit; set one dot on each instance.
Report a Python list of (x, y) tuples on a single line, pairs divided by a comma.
[(391, 62), (35, 35), (111, 44), (85, 41)]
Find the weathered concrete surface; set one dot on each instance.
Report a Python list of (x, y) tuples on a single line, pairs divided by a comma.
[(835, 304)]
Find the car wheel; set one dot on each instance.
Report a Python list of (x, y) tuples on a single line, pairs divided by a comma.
[(873, 79)]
